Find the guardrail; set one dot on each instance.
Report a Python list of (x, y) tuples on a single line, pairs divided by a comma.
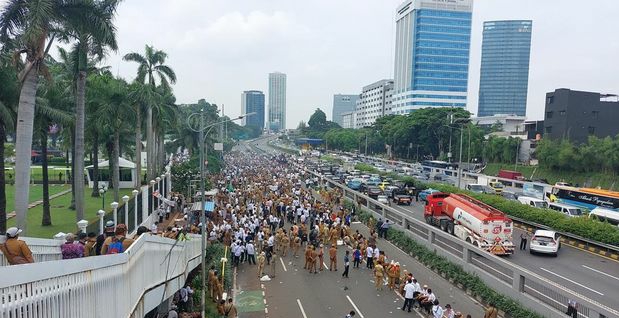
[(129, 284), (532, 290)]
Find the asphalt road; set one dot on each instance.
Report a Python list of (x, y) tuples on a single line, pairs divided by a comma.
[(586, 273)]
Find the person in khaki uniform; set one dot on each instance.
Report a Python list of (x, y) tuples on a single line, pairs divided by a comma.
[(296, 243), (284, 244), (333, 258), (379, 272), (313, 259), (394, 273), (212, 280), (308, 257), (16, 251), (321, 256), (261, 260), (230, 309)]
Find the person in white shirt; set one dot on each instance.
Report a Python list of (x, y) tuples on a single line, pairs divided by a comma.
[(448, 312), (369, 252), (251, 252), (437, 310), (428, 302), (409, 290)]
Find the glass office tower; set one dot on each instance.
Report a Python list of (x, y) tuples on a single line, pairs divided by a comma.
[(431, 54), (504, 77)]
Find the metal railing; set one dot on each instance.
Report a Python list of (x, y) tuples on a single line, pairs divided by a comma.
[(530, 289), (129, 284)]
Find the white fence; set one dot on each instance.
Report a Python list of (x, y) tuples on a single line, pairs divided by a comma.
[(121, 285)]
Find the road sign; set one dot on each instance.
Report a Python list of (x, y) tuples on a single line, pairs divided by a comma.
[(219, 146)]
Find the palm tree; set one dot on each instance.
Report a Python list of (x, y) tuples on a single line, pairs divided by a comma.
[(93, 33), (32, 26), (141, 95), (151, 65), (8, 99)]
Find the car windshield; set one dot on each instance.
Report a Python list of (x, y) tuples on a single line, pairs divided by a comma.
[(476, 187), (575, 212), (498, 185), (541, 205)]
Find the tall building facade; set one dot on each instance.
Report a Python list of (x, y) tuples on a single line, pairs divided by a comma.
[(576, 115), (374, 102), (431, 54), (277, 101), (504, 77), (253, 102), (343, 104)]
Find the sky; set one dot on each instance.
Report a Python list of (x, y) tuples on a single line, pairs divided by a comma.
[(219, 48)]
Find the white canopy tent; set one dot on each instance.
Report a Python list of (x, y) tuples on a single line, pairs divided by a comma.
[(128, 173)]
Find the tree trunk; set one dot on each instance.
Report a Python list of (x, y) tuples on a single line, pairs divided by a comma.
[(47, 217), (138, 146), (95, 166), (72, 179), (78, 160), (150, 144), (2, 179), (23, 145), (116, 171)]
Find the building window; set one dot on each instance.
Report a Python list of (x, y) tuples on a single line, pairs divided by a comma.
[(595, 113), (550, 99), (548, 115), (562, 113), (549, 130), (591, 130)]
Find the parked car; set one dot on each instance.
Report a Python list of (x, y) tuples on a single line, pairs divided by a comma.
[(546, 242), (496, 186)]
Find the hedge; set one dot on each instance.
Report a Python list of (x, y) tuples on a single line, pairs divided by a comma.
[(214, 253), (454, 273)]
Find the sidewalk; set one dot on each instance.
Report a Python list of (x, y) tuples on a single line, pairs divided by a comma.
[(249, 294)]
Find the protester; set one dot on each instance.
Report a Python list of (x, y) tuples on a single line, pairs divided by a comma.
[(108, 232), (70, 249), (16, 251), (118, 243)]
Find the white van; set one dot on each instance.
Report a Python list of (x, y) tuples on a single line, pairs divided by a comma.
[(534, 202), (610, 216), (568, 210)]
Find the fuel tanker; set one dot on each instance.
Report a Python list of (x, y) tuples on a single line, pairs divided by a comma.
[(471, 220)]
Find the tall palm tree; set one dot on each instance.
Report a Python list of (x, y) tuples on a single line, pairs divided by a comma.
[(93, 33), (151, 65), (141, 95)]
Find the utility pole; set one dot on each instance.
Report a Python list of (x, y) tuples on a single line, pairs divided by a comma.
[(460, 163), (366, 143), (468, 160), (451, 121), (517, 149), (202, 217)]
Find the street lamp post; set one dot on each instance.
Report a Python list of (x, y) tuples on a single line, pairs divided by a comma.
[(203, 154), (102, 193)]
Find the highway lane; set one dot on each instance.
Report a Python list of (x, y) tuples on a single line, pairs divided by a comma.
[(581, 271), (586, 273)]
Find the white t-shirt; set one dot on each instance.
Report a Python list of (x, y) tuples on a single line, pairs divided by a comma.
[(409, 289), (369, 252)]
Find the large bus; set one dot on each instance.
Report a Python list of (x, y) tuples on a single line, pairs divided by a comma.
[(587, 198), (428, 164)]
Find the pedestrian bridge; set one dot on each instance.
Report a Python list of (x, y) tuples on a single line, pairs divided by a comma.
[(121, 285)]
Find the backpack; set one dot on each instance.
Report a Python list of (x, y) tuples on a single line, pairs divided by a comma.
[(116, 246)]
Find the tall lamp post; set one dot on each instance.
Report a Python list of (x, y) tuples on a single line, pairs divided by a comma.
[(201, 129), (102, 190)]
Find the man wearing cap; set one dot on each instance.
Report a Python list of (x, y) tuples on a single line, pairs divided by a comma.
[(107, 232), (16, 251)]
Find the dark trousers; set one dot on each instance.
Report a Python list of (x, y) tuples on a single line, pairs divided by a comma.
[(523, 244), (407, 302), (355, 263), (571, 311), (370, 263), (345, 273), (251, 259)]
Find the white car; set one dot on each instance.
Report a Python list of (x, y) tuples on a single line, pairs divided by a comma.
[(383, 199), (545, 242)]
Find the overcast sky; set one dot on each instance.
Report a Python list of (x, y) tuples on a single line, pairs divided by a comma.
[(220, 48)]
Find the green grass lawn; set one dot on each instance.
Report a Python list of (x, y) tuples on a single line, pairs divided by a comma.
[(603, 180), (63, 219), (36, 193)]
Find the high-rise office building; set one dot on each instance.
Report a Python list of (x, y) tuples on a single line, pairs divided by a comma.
[(343, 104), (431, 54), (253, 102), (504, 76), (374, 102), (277, 101)]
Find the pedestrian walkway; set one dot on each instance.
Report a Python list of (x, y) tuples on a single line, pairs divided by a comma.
[(31, 205), (249, 293)]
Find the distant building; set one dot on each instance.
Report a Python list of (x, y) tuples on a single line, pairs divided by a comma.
[(431, 54), (510, 124), (277, 101), (253, 101), (374, 102), (349, 119), (343, 104), (576, 115), (504, 76)]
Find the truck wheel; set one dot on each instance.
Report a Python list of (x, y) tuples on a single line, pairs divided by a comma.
[(450, 228), (444, 225), (429, 220)]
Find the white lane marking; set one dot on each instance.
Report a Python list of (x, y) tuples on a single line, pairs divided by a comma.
[(571, 281), (281, 260), (301, 307), (600, 272), (355, 306), (325, 264)]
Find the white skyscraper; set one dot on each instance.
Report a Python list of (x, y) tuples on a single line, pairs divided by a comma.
[(431, 54), (277, 101)]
